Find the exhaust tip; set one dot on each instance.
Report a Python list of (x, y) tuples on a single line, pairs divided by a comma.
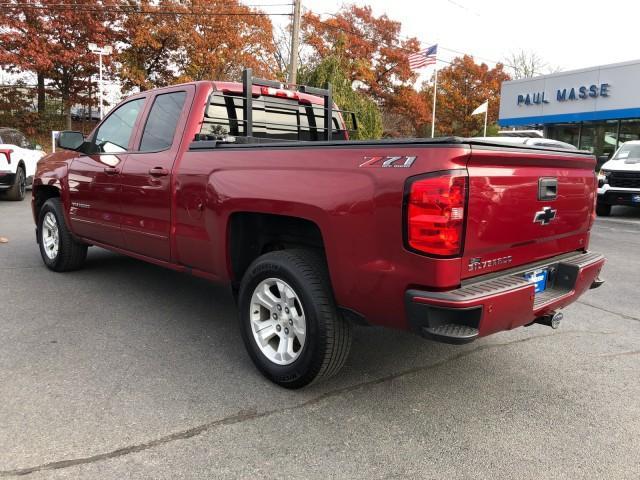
[(552, 320), (556, 318)]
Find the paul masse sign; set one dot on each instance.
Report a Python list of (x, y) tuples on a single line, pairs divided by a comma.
[(600, 93), (564, 94)]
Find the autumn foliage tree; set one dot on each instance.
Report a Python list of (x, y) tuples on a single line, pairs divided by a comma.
[(172, 41), (22, 47), (52, 40), (220, 46), (374, 53), (151, 39)]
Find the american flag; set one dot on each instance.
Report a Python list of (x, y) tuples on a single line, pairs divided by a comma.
[(423, 57)]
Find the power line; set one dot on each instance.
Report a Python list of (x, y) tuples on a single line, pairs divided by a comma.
[(123, 5), (136, 10), (462, 7)]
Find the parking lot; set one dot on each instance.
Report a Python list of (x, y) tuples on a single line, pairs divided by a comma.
[(127, 370)]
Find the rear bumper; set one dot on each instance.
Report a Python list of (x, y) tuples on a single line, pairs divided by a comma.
[(493, 303)]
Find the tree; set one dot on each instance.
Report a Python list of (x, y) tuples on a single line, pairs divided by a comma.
[(463, 86), (525, 64), (373, 53), (220, 46), (52, 39), (22, 47), (168, 42), (407, 113), (333, 70), (152, 39)]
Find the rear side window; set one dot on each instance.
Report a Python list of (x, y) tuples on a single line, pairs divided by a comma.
[(274, 118), (162, 122)]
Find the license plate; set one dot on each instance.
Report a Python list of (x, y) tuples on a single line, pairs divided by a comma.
[(635, 198), (538, 278)]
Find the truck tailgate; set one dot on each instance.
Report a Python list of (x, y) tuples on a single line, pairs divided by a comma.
[(514, 218)]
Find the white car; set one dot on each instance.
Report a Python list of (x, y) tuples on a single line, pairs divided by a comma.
[(619, 179), (18, 159)]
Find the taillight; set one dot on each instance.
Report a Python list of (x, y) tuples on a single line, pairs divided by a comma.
[(7, 153), (435, 213)]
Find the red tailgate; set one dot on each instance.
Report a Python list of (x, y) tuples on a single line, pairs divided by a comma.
[(508, 224)]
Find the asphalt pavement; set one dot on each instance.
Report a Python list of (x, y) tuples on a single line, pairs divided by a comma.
[(127, 370)]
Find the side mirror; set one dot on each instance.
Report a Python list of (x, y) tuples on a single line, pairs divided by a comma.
[(70, 140), (37, 146)]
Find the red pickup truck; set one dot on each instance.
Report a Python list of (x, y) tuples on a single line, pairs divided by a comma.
[(258, 187)]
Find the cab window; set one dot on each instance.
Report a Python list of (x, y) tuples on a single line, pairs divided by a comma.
[(115, 132), (162, 122)]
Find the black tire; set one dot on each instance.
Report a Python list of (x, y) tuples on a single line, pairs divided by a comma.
[(17, 190), (603, 210), (328, 335), (71, 253)]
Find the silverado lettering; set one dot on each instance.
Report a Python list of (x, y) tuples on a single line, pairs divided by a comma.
[(478, 264)]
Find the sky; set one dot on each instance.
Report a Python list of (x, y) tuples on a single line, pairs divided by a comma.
[(566, 34)]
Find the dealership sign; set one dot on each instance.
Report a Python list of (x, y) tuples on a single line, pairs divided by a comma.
[(565, 94), (590, 94)]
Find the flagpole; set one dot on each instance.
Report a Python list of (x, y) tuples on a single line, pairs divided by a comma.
[(433, 114), (486, 112)]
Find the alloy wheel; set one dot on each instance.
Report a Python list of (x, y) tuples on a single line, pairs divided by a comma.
[(278, 321)]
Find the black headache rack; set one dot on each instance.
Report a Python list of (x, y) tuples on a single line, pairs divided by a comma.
[(284, 92)]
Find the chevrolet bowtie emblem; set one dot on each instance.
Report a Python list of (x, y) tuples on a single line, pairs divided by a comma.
[(544, 216)]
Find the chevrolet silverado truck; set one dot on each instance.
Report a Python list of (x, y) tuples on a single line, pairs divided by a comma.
[(258, 186), (619, 179)]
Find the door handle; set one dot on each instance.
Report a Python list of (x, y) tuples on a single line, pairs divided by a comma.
[(158, 172), (111, 170)]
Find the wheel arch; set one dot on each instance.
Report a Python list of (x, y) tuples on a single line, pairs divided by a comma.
[(251, 234), (42, 193)]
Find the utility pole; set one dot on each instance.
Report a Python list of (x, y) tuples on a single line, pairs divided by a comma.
[(295, 42)]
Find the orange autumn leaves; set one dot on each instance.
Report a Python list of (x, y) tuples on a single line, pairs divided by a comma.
[(162, 42)]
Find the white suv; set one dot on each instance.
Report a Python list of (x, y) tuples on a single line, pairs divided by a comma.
[(619, 179), (18, 159)]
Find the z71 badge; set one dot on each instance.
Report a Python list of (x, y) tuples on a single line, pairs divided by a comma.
[(388, 162)]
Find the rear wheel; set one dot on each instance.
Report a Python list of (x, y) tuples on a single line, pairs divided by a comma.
[(59, 250), (289, 321), (603, 210), (17, 190)]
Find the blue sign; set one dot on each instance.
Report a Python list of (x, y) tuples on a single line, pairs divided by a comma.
[(565, 94)]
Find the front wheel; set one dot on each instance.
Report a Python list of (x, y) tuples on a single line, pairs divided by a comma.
[(289, 321), (59, 250)]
